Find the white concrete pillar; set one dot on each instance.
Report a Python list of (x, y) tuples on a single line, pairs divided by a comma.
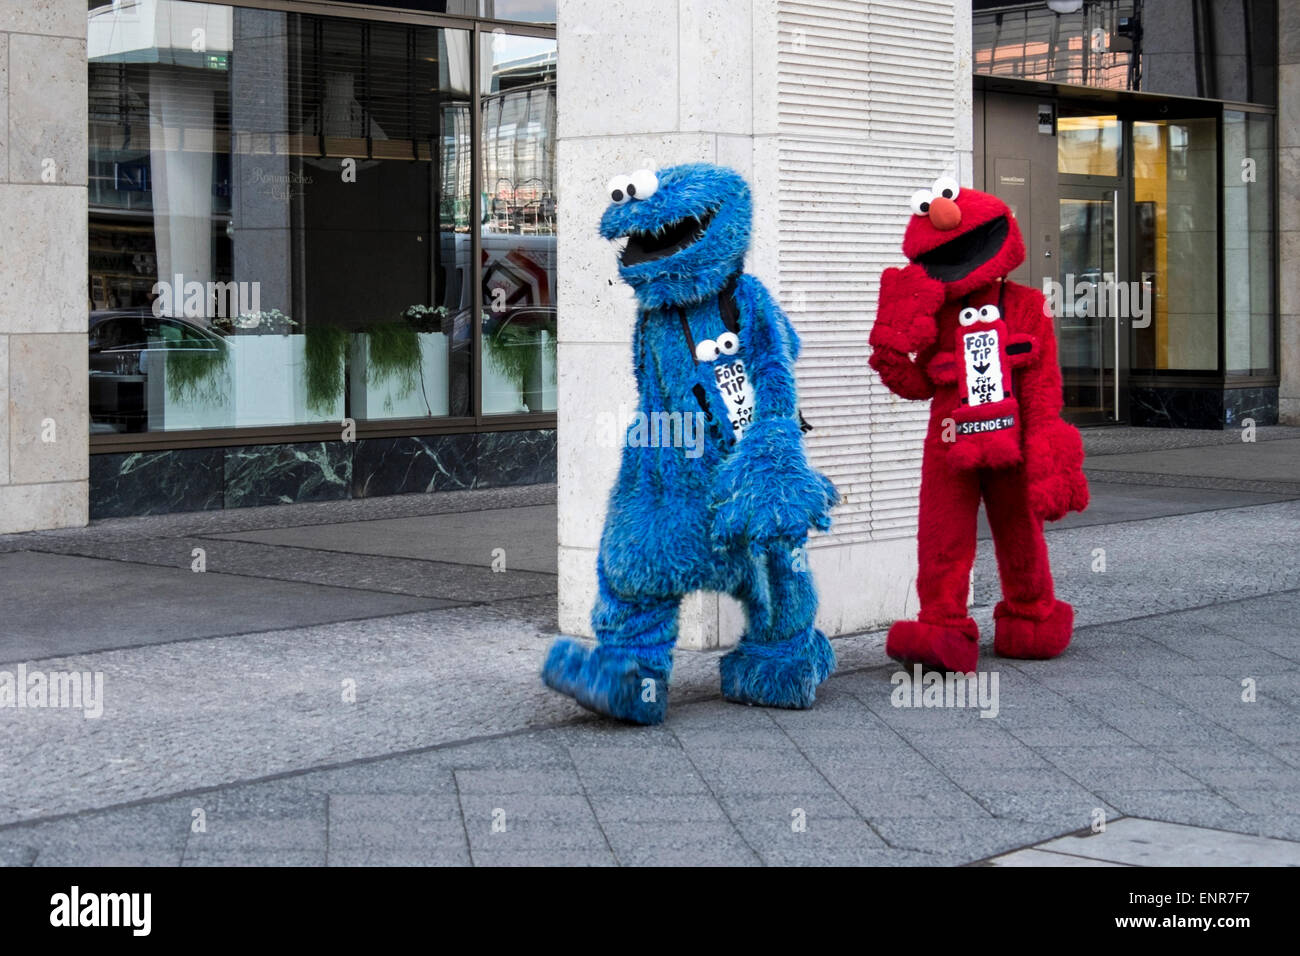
[(1288, 184), (44, 401), (834, 129)]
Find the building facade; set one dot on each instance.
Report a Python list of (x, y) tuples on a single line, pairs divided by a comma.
[(286, 250), (1139, 142)]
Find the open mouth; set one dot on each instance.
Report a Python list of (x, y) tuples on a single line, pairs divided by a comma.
[(960, 257), (670, 240)]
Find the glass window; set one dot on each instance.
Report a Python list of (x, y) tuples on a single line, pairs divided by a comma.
[(1248, 189), (1175, 183), (528, 11), (1088, 145), (280, 214), (1218, 50), (518, 229)]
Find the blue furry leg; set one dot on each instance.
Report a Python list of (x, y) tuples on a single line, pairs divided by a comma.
[(626, 674), (778, 675), (782, 658), (616, 681)]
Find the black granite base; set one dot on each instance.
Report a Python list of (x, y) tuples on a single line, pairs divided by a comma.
[(1259, 404), (1201, 407), (157, 482), (140, 483), (395, 466)]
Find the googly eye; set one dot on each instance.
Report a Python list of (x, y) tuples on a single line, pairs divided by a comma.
[(642, 184), (729, 343), (707, 350), (921, 200), (947, 187), (990, 313), (968, 316), (617, 189)]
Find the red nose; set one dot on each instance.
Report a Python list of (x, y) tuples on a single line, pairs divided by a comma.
[(944, 213)]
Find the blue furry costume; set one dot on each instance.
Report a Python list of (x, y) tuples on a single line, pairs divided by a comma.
[(732, 516)]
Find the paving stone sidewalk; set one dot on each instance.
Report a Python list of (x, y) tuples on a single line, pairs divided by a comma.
[(227, 747)]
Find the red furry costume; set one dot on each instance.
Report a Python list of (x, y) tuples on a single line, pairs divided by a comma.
[(985, 353)]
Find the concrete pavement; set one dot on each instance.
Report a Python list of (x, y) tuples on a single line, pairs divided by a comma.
[(226, 696)]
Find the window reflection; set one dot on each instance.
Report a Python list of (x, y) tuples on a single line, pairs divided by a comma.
[(280, 214), (1248, 163), (1174, 185), (1088, 145), (518, 229)]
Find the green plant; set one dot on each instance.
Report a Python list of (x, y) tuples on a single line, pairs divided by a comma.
[(323, 352), (197, 374), (393, 351), (514, 348)]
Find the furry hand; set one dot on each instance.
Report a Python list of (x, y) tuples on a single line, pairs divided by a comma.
[(1054, 469), (766, 491), (905, 316)]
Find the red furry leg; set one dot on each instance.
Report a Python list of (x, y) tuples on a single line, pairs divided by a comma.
[(1031, 623), (944, 635)]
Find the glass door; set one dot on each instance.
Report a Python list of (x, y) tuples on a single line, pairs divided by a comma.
[(1088, 301)]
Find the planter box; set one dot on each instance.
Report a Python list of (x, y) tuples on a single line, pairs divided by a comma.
[(382, 397)]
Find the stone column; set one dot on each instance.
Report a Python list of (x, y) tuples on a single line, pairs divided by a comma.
[(1288, 184), (44, 396), (834, 132), (660, 81)]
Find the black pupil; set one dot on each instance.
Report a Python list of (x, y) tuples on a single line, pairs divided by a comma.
[(947, 194), (617, 194), (631, 189), (925, 207)]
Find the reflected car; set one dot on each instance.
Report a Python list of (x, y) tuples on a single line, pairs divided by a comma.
[(121, 341)]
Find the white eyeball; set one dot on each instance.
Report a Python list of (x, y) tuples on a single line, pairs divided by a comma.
[(617, 189), (921, 200), (729, 343), (968, 316), (947, 187), (707, 350), (990, 313), (642, 184)]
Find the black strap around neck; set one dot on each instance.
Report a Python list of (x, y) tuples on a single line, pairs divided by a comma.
[(728, 309)]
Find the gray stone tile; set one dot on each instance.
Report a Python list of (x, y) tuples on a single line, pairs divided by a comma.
[(961, 840), (769, 808), (682, 844), (1141, 842), (245, 857), (239, 833), (394, 821), (1175, 805), (505, 782), (1033, 857), (107, 856), (594, 856), (672, 808), (824, 842), (399, 856), (13, 854), (575, 834), (1065, 806)]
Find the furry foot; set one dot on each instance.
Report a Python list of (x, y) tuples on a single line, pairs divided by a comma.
[(951, 648), (1025, 638), (609, 680), (778, 675)]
